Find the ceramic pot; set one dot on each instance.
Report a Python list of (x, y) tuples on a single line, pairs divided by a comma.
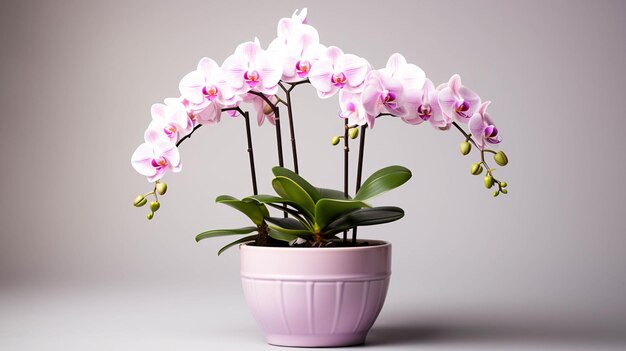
[(316, 297)]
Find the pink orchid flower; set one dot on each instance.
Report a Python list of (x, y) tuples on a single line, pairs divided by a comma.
[(482, 127), (287, 25), (338, 71), (457, 101), (411, 76), (169, 122), (206, 85), (423, 105), (153, 160), (383, 94), (352, 109), (263, 111), (299, 51), (252, 68)]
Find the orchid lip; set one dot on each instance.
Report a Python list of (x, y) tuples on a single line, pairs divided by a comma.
[(159, 163), (338, 79), (424, 112), (388, 98), (491, 131), (461, 106), (302, 68), (252, 78), (210, 92), (170, 130)]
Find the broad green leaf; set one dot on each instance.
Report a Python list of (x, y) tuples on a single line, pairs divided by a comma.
[(236, 242), (290, 190), (275, 234), (255, 211), (303, 183), (288, 226), (364, 217), (332, 194), (327, 210), (382, 181), (307, 222), (223, 232), (271, 200)]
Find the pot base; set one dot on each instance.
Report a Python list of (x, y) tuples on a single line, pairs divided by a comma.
[(323, 340)]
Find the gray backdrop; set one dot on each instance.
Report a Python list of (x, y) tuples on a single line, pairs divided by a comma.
[(80, 267)]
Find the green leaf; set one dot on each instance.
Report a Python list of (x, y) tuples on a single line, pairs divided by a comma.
[(224, 232), (364, 217), (382, 181), (290, 190), (275, 234), (236, 242), (296, 214), (289, 226), (327, 210), (255, 211), (303, 183), (332, 194)]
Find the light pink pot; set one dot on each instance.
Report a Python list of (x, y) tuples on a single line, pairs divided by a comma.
[(316, 297)]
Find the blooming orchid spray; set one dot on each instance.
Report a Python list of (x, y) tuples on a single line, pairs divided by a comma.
[(262, 79)]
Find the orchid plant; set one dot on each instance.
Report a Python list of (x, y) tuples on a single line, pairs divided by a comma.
[(261, 80)]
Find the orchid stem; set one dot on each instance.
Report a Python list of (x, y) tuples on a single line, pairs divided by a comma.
[(346, 151), (359, 171), (482, 151), (292, 132), (279, 139), (246, 116)]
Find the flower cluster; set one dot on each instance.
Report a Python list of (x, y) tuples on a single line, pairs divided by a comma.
[(253, 75)]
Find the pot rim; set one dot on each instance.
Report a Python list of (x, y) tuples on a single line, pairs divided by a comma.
[(381, 244)]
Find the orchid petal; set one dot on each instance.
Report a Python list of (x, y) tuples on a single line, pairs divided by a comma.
[(395, 62), (355, 68), (234, 67), (142, 158), (320, 75), (191, 87), (455, 83)]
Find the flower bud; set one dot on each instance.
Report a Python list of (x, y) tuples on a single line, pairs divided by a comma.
[(335, 140), (154, 206), (267, 109), (150, 215), (504, 191), (501, 158), (161, 188), (503, 184), (139, 201), (353, 133), (476, 169), (496, 193), (466, 147), (488, 181)]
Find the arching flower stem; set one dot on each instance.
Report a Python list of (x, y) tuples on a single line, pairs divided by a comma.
[(346, 151), (359, 170), (279, 141), (469, 138)]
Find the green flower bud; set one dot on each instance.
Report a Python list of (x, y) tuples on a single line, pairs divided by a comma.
[(496, 193), (466, 147), (335, 140), (501, 158), (161, 188), (503, 184), (488, 181), (154, 206), (353, 133), (504, 191), (139, 201), (476, 169), (150, 215)]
